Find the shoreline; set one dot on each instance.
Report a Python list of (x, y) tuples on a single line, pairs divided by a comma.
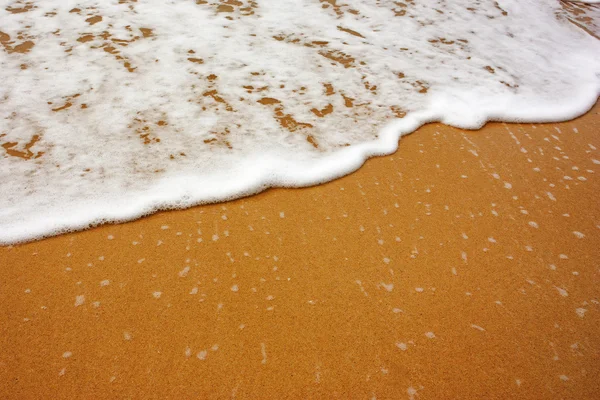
[(391, 133), (465, 265)]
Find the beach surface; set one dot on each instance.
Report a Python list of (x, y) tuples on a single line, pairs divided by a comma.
[(466, 265)]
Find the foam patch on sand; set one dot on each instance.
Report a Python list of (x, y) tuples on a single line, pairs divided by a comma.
[(113, 109)]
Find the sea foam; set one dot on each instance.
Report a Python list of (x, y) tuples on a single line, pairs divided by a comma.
[(112, 110)]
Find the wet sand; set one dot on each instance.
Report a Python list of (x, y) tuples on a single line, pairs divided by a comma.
[(466, 265)]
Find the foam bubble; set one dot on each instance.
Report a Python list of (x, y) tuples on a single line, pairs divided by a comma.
[(112, 111)]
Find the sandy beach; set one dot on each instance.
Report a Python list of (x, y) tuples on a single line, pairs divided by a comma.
[(466, 265)]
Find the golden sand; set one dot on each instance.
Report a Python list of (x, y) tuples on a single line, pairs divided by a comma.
[(466, 265)]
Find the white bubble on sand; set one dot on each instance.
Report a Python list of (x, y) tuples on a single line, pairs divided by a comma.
[(411, 392), (79, 300), (562, 291), (387, 286), (263, 351)]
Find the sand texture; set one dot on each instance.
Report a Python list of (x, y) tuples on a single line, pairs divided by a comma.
[(466, 265)]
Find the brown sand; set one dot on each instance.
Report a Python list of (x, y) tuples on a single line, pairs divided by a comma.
[(467, 265)]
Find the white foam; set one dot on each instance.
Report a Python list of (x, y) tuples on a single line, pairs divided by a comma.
[(163, 127)]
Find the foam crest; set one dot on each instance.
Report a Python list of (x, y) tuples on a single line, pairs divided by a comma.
[(113, 110)]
